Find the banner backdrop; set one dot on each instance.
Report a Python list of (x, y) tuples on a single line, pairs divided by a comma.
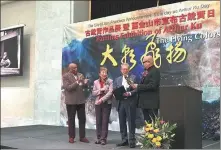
[(184, 39)]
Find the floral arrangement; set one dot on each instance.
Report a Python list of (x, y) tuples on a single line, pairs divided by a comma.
[(157, 135)]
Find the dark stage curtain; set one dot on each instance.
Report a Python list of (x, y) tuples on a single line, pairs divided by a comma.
[(103, 8)]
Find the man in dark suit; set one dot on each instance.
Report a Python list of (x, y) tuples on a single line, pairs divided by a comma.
[(148, 89), (126, 107), (73, 84)]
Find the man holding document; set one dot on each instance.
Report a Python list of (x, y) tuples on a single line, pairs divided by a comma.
[(126, 105)]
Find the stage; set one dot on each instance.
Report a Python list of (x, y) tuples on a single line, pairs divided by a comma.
[(55, 137)]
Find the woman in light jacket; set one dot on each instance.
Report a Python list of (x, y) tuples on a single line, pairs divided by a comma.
[(102, 89)]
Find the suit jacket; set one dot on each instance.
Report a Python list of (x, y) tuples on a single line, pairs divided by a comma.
[(118, 83), (74, 93), (148, 89), (108, 94)]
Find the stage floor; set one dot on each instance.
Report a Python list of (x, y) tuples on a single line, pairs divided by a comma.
[(55, 137)]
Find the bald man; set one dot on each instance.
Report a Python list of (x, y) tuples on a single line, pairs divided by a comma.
[(148, 89), (73, 84)]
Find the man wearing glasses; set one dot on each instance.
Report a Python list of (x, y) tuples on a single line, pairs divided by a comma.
[(148, 89), (126, 106)]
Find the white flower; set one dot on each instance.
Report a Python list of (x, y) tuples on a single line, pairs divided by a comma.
[(138, 143)]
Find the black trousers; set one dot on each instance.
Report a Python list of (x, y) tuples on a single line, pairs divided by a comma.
[(127, 112), (71, 111), (150, 113), (102, 120)]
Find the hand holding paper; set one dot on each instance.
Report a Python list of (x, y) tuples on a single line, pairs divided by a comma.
[(126, 94), (134, 86)]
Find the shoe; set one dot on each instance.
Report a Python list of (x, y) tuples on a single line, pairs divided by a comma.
[(132, 145), (85, 140), (97, 142), (71, 140), (103, 142), (123, 144)]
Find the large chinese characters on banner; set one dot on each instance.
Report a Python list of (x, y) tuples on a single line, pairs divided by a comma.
[(183, 38)]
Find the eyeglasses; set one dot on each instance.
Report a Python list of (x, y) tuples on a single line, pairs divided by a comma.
[(103, 72), (74, 67), (145, 62)]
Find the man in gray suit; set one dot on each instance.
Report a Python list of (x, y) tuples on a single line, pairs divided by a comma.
[(126, 107), (73, 84)]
